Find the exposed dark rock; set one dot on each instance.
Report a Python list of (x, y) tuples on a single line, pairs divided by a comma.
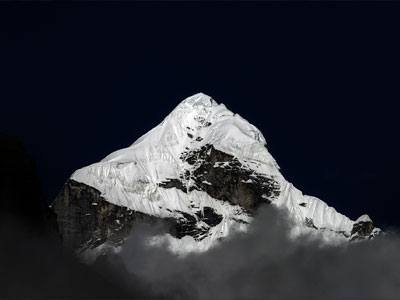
[(190, 225), (202, 121), (362, 230), (187, 225), (209, 216), (344, 233), (170, 183), (310, 223), (223, 177), (303, 204), (86, 219)]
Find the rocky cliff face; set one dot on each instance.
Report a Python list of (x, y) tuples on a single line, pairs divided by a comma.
[(223, 177), (86, 220), (363, 228)]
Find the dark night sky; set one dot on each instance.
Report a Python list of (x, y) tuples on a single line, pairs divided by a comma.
[(321, 81)]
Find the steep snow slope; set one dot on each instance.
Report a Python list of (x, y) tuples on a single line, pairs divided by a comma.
[(159, 175)]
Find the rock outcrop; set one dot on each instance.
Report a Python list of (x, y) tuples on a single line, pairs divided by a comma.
[(223, 177), (363, 228), (86, 220)]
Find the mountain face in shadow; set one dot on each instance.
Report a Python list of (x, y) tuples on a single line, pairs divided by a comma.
[(33, 263), (20, 188)]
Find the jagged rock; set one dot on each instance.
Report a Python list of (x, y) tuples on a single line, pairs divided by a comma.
[(310, 223), (223, 177), (86, 220), (209, 216), (362, 230), (84, 217)]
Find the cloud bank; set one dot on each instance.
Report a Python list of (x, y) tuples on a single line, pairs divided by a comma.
[(261, 263), (265, 263)]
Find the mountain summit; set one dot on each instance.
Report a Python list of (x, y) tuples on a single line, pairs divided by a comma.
[(202, 172)]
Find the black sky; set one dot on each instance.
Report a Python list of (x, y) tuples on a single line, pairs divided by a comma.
[(320, 80)]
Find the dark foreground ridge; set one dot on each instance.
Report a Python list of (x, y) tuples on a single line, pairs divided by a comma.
[(33, 263), (21, 188)]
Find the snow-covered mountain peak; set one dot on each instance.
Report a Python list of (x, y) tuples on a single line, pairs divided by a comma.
[(364, 218), (205, 170), (197, 121), (199, 99)]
